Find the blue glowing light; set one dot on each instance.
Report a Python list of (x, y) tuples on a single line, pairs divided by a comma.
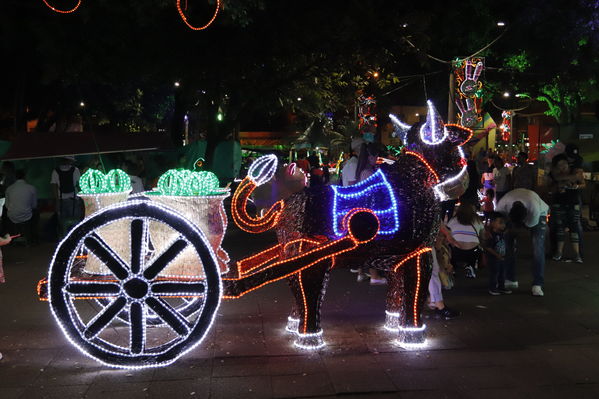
[(374, 193)]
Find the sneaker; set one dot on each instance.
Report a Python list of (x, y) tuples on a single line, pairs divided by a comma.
[(355, 270), (361, 277), (0, 355), (470, 272), (511, 284), (446, 313), (504, 291), (578, 260), (494, 292), (557, 258), (537, 290), (378, 281)]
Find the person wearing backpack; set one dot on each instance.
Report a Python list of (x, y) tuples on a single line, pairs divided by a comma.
[(64, 180)]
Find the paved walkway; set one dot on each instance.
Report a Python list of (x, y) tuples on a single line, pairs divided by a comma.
[(515, 346)]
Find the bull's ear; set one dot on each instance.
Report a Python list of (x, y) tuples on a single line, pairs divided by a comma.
[(458, 134)]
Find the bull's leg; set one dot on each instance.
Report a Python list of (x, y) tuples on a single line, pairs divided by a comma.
[(309, 288), (406, 298), (293, 320)]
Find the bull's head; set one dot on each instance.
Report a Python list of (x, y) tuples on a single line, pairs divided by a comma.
[(440, 145)]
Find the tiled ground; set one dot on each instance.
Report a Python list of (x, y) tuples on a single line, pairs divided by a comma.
[(515, 346)]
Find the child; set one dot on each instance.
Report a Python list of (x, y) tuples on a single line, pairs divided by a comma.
[(3, 241), (487, 203), (440, 257), (494, 247)]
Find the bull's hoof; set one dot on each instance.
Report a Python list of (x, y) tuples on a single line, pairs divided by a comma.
[(310, 341), (412, 337), (391, 321), (292, 324)]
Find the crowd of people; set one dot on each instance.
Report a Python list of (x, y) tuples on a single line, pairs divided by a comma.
[(506, 198), (511, 201)]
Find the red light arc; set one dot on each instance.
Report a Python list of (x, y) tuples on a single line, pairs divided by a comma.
[(181, 13), (62, 11), (184, 17)]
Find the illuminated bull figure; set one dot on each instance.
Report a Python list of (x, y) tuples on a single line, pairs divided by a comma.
[(159, 272), (404, 196)]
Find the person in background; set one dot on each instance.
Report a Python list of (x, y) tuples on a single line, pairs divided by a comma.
[(487, 180), (132, 170), (440, 260), (366, 167), (8, 178), (3, 241), (565, 206), (64, 181), (525, 209), (471, 193), (316, 172), (348, 173), (494, 247), (524, 175), (577, 174), (488, 203), (466, 228), (302, 163), (21, 206), (501, 176)]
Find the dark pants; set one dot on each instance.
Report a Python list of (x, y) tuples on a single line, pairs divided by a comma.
[(496, 273)]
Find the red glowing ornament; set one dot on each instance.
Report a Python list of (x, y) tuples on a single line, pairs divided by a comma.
[(184, 17), (62, 11)]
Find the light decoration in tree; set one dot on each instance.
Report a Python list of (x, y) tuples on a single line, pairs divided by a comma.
[(469, 90), (95, 182), (179, 9), (506, 125), (62, 11), (367, 119), (184, 17)]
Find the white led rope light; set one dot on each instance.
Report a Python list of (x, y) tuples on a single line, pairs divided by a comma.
[(136, 356)]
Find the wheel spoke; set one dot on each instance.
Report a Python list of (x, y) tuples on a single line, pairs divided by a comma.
[(92, 289), (178, 289), (137, 328), (137, 244), (104, 318), (169, 315), (110, 258), (165, 258)]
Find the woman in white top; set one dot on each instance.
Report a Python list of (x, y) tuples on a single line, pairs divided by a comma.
[(466, 228)]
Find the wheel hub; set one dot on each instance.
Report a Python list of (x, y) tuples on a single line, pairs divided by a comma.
[(136, 288)]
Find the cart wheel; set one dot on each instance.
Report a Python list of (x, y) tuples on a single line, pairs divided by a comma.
[(134, 289)]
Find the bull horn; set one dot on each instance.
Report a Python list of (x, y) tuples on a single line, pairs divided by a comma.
[(263, 169), (433, 131)]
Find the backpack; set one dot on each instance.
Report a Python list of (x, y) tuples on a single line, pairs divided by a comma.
[(65, 178)]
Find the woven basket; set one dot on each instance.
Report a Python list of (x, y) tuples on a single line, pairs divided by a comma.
[(116, 235), (205, 212)]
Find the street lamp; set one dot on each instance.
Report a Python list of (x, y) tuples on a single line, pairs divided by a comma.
[(501, 23), (506, 94), (82, 104), (177, 84)]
